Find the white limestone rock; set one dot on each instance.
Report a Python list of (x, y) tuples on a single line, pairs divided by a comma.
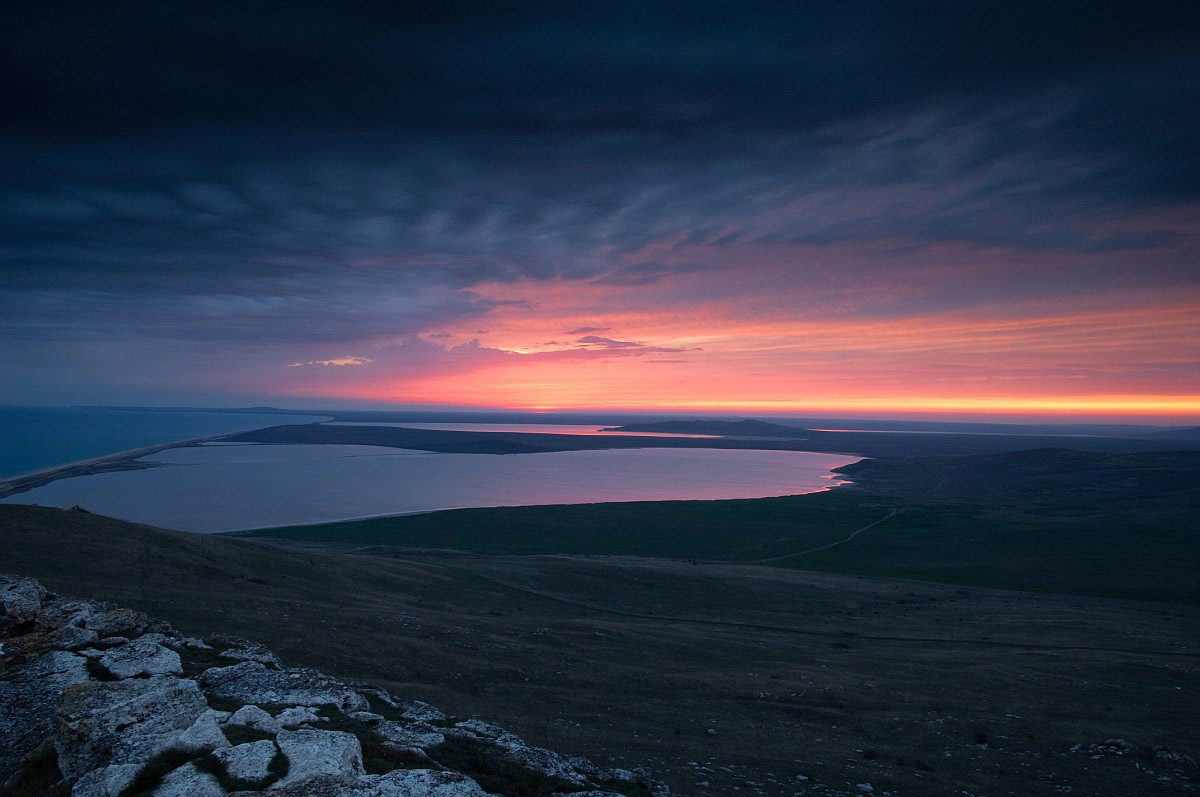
[(576, 771), (64, 613), (202, 735), (141, 657), (70, 637), (252, 682), (29, 702), (398, 783), (58, 669), (426, 783), (108, 621), (21, 595), (296, 716), (181, 642), (254, 717), (366, 716), (475, 728), (125, 722), (250, 761), (313, 753), (107, 781), (416, 734), (423, 712), (252, 651), (188, 781)]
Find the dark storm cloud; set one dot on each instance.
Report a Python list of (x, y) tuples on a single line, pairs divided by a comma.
[(84, 67), (336, 173)]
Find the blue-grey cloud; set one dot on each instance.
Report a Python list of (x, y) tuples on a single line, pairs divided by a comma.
[(313, 181)]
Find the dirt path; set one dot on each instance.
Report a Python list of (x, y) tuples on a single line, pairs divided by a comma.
[(842, 541)]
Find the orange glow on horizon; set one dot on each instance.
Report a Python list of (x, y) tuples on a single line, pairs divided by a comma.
[(562, 346)]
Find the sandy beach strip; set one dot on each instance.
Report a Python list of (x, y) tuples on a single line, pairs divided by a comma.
[(121, 460)]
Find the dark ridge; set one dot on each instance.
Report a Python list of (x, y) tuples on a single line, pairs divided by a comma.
[(746, 428)]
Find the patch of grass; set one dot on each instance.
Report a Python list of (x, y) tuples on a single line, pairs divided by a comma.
[(150, 776), (223, 703), (217, 768), (99, 672), (279, 765), (241, 734), (197, 661), (39, 775)]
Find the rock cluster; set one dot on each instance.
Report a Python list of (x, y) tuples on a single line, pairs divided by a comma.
[(100, 701)]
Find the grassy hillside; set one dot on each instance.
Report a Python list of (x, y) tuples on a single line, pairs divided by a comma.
[(914, 688), (1052, 520)]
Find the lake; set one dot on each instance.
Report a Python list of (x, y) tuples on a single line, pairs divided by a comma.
[(37, 438), (212, 488)]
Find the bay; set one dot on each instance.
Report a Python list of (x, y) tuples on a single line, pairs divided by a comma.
[(210, 488)]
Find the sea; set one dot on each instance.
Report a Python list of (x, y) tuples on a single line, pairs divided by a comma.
[(38, 438)]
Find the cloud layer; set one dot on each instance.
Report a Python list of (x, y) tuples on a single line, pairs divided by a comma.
[(262, 201)]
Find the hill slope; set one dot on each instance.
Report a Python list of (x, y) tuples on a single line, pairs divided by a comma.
[(839, 680)]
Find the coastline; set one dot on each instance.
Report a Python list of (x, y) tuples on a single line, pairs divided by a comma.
[(120, 460)]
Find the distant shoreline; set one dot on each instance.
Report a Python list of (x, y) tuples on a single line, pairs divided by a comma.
[(121, 460), (871, 444)]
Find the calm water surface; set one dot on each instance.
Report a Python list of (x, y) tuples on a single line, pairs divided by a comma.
[(221, 488), (37, 438)]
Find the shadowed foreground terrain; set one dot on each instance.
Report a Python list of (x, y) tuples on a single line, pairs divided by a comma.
[(719, 677)]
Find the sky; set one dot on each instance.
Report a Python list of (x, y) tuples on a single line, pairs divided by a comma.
[(856, 209)]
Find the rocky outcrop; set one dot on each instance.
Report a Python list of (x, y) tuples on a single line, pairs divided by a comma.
[(101, 701)]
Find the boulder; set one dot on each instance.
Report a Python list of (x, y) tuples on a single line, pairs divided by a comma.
[(312, 753), (20, 595), (71, 637), (203, 734), (399, 783), (127, 722), (248, 762), (112, 621), (416, 710), (366, 716), (250, 651), (141, 657), (576, 771), (415, 734), (253, 682), (180, 642), (254, 717), (107, 781), (188, 781), (426, 783), (296, 716), (29, 701)]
